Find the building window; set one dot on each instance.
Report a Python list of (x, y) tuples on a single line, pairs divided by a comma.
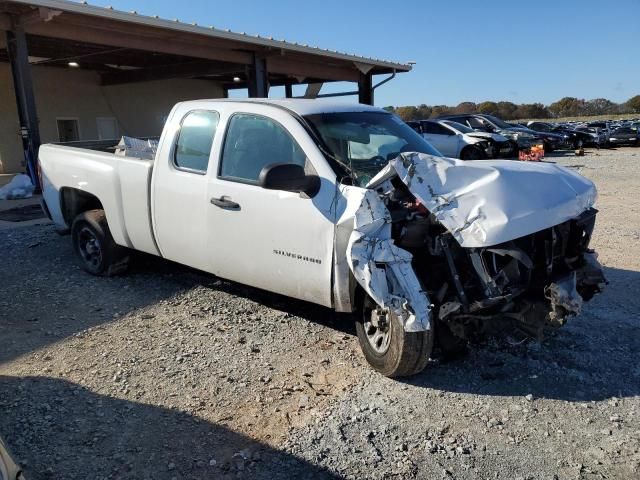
[(68, 130)]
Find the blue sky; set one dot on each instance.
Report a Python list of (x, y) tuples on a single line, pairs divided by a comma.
[(521, 51)]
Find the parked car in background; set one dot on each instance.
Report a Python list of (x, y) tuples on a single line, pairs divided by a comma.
[(574, 138), (600, 136), (625, 136), (520, 137), (455, 140), (602, 127)]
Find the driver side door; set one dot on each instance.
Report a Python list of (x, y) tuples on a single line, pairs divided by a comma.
[(274, 240)]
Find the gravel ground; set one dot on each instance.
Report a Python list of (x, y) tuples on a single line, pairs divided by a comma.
[(170, 373)]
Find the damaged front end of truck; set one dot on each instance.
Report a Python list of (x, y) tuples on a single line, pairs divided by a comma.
[(476, 247)]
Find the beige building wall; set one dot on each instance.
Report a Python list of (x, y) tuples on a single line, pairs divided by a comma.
[(139, 108), (10, 143)]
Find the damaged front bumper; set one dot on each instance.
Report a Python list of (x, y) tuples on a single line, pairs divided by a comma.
[(476, 245)]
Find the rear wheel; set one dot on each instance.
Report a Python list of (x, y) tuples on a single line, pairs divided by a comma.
[(472, 152), (515, 149), (98, 252), (385, 344)]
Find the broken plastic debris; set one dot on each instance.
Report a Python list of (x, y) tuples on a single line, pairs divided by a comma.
[(565, 299)]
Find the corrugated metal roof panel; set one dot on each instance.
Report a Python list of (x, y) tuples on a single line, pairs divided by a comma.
[(176, 25)]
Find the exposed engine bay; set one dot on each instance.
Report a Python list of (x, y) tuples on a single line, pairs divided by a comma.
[(412, 262)]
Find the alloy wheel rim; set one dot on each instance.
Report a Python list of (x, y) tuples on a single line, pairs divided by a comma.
[(90, 248), (378, 336)]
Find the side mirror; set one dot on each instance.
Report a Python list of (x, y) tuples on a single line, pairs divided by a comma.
[(289, 177)]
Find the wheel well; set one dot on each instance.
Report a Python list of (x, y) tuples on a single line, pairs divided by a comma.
[(465, 149), (74, 201), (469, 147)]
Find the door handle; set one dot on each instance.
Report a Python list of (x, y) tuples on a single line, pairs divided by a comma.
[(225, 203)]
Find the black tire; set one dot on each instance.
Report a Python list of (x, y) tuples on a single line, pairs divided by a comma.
[(407, 353), (98, 252), (471, 152), (450, 346)]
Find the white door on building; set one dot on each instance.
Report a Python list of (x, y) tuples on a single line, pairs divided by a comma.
[(107, 128)]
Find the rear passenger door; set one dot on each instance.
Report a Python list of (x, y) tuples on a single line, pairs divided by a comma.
[(445, 141), (180, 189)]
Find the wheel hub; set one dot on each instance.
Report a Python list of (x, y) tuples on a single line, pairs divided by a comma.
[(90, 248), (377, 330)]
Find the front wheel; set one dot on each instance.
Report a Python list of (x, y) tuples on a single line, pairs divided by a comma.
[(387, 347), (98, 252)]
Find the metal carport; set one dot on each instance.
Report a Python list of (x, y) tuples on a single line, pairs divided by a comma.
[(125, 47)]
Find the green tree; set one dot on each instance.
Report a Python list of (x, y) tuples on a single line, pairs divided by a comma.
[(488, 108), (408, 113), (532, 110), (633, 104), (424, 111), (568, 107), (600, 106), (466, 107), (507, 110), (438, 110)]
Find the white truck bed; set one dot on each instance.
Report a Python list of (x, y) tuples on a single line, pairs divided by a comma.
[(116, 180)]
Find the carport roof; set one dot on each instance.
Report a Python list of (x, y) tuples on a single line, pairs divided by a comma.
[(92, 25)]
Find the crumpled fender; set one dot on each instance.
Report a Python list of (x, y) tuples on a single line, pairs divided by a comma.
[(383, 269), (481, 203)]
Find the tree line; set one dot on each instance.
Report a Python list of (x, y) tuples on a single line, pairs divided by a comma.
[(565, 107)]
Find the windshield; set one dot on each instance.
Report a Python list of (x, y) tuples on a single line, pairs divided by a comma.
[(497, 122), (459, 127), (366, 141)]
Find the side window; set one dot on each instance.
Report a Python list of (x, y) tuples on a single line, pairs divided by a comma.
[(252, 143), (474, 122), (416, 126), (440, 130), (428, 127), (193, 146)]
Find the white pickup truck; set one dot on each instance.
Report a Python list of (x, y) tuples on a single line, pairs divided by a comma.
[(344, 206)]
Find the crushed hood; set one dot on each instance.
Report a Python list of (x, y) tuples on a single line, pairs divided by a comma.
[(493, 136), (488, 202)]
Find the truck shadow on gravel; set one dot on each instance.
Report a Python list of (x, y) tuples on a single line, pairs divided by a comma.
[(59, 429), (46, 297), (340, 322), (592, 358)]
